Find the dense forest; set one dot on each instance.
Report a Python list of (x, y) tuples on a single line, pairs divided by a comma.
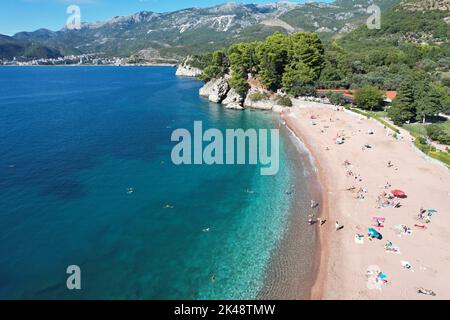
[(301, 63)]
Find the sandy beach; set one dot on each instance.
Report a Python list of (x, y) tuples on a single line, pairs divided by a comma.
[(357, 177)]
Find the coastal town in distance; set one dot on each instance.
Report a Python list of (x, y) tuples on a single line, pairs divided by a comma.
[(228, 158)]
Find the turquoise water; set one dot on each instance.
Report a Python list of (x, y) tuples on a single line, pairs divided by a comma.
[(73, 140)]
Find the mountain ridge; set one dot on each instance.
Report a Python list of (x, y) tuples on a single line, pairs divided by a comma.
[(173, 35)]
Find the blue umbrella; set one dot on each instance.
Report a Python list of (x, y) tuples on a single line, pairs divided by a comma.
[(374, 233)]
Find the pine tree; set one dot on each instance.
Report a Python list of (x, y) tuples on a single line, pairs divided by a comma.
[(403, 108)]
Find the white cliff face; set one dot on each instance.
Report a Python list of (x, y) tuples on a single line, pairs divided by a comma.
[(219, 91), (264, 104), (215, 90), (185, 70), (233, 98)]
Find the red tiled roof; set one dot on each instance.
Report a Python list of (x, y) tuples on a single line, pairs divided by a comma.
[(391, 95)]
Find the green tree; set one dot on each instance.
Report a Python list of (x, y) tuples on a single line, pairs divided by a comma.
[(403, 108), (437, 133), (297, 76), (272, 55), (284, 101), (238, 82), (428, 105), (336, 98), (306, 61), (242, 62), (243, 56), (329, 74), (368, 97), (217, 67), (446, 81)]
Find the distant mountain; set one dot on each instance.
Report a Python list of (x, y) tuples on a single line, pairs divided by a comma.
[(415, 21), (11, 48), (170, 36)]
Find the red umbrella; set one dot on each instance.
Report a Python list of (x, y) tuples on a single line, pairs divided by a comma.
[(399, 193)]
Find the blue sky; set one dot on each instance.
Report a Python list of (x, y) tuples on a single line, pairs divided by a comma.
[(29, 15)]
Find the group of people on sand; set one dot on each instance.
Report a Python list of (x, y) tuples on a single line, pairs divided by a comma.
[(386, 199), (312, 220), (311, 217)]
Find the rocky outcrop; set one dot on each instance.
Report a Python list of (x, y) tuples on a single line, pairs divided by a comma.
[(219, 91), (251, 102), (215, 90), (233, 98), (425, 5), (235, 106), (186, 70), (263, 104)]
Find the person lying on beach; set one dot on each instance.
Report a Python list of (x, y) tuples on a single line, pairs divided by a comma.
[(311, 220), (425, 292), (379, 223), (338, 226), (347, 163)]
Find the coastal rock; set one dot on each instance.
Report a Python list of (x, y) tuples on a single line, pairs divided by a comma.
[(234, 106), (233, 98), (215, 90), (186, 70), (261, 104)]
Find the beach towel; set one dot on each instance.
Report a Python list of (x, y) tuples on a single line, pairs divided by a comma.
[(359, 239)]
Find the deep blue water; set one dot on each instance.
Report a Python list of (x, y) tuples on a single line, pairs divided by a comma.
[(73, 140)]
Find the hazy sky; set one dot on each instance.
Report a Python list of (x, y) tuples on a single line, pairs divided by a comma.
[(29, 15)]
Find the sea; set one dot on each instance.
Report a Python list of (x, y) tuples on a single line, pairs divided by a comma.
[(87, 180)]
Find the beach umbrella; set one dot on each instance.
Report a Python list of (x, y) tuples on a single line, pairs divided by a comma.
[(374, 233), (399, 193)]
